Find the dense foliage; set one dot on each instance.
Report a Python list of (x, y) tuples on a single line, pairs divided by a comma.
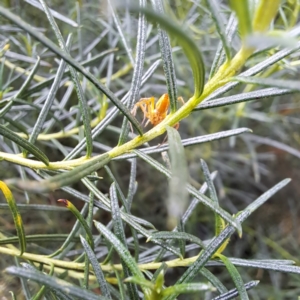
[(145, 216)]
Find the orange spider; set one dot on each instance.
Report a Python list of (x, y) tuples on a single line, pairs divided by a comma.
[(154, 112)]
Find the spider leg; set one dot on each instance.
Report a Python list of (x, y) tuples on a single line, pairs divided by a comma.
[(176, 126), (147, 122), (142, 104), (147, 107), (133, 111)]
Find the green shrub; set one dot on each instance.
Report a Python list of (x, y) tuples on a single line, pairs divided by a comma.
[(70, 82)]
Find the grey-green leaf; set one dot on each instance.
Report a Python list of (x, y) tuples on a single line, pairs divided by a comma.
[(202, 198), (32, 149), (96, 267), (217, 17), (232, 294), (65, 178), (241, 9), (173, 235), (270, 82), (187, 288), (66, 57), (188, 45), (255, 95), (236, 277), (123, 253), (54, 283), (178, 196), (166, 56), (205, 255)]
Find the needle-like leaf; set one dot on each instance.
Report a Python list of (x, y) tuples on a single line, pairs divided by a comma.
[(32, 149), (66, 57), (188, 45), (16, 216)]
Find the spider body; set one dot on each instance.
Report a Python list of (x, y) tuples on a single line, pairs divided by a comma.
[(153, 112)]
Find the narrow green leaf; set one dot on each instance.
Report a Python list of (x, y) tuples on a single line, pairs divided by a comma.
[(111, 114), (66, 178), (39, 294), (209, 182), (58, 294), (276, 83), (167, 58), (55, 292), (42, 290), (35, 207), (177, 236), (182, 242), (39, 86), (22, 89), (188, 45), (264, 14), (232, 294), (278, 56), (38, 238), (187, 288), (131, 220), (89, 221), (118, 188), (32, 149), (234, 99), (220, 55), (236, 277), (276, 144), (16, 216), (48, 102), (48, 43), (123, 253), (178, 196), (264, 197), (219, 222), (216, 16), (195, 201), (120, 248), (54, 283), (80, 218), (121, 286), (16, 124), (140, 281), (84, 108), (185, 216), (38, 108), (24, 283), (214, 245), (96, 267), (204, 256), (121, 33), (161, 270), (132, 182), (116, 217), (202, 198), (159, 279), (188, 142), (213, 280), (241, 9), (274, 265), (55, 14), (120, 234), (137, 72), (72, 234)]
